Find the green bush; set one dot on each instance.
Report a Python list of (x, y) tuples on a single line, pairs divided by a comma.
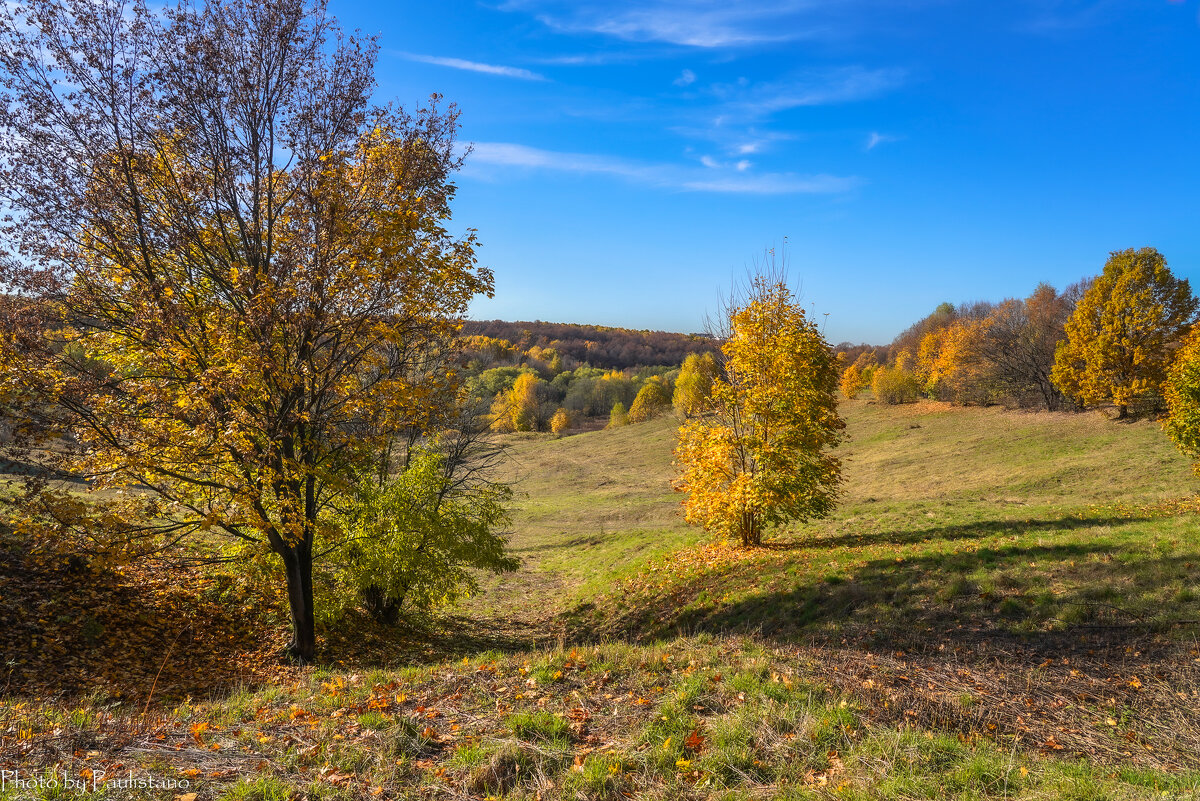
[(894, 385), (414, 540)]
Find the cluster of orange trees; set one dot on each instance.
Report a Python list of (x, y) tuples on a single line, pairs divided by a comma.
[(1107, 340)]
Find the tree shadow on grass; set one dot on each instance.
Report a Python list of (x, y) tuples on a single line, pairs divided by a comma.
[(1030, 593), (147, 638), (365, 644), (963, 531), (986, 596)]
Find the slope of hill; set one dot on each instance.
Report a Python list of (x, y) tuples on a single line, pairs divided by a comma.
[(1004, 606)]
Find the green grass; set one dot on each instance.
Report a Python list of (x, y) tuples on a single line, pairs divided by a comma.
[(591, 507), (998, 609), (704, 718), (997, 520)]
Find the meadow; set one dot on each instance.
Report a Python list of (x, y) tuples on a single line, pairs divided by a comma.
[(1004, 605)]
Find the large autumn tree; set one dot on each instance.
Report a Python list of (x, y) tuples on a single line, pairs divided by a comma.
[(1124, 331), (759, 454), (244, 283)]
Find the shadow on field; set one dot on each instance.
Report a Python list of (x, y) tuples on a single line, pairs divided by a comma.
[(1034, 593), (965, 531), (155, 637), (11, 467), (979, 596)]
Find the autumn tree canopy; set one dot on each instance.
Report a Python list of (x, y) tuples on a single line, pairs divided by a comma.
[(760, 455), (1123, 333), (694, 384), (652, 399), (246, 284)]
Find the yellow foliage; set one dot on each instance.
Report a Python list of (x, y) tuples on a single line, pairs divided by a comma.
[(857, 376), (950, 364), (651, 400), (618, 416), (761, 456), (523, 404), (894, 384), (243, 387), (1124, 331), (694, 384)]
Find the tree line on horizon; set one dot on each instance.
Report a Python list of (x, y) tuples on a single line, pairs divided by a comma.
[(576, 344), (1108, 340), (554, 377)]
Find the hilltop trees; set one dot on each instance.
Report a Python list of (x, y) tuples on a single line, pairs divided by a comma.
[(249, 293), (760, 454), (1018, 340), (1123, 332), (982, 352)]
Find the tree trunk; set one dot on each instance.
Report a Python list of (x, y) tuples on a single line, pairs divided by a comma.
[(751, 532), (1122, 411), (379, 605), (297, 563)]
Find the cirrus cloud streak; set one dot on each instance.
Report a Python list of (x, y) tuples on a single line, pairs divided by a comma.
[(736, 180)]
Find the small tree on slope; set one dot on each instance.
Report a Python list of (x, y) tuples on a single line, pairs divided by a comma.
[(760, 456)]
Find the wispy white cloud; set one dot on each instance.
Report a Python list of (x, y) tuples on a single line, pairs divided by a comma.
[(508, 154), (741, 165), (738, 116), (876, 139), (814, 88), (733, 140), (713, 177), (686, 78), (693, 23), (599, 58), (775, 184), (474, 66)]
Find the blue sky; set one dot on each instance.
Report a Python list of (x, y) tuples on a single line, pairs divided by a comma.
[(631, 159)]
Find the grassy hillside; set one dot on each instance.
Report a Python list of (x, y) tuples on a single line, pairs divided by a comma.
[(590, 507), (1003, 606), (982, 519)]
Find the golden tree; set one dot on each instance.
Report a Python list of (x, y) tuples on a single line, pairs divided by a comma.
[(523, 403), (618, 416), (761, 455), (249, 287), (1123, 332), (858, 375), (951, 364), (651, 400), (694, 384), (560, 422), (893, 384)]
